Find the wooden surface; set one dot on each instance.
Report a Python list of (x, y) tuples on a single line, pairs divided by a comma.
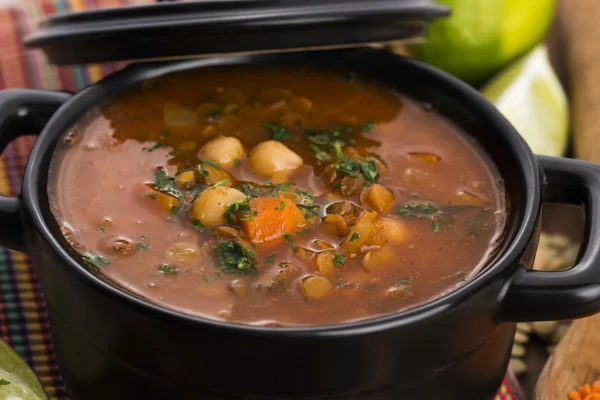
[(579, 26), (575, 362)]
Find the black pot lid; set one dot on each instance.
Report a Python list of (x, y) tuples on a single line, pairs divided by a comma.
[(188, 29)]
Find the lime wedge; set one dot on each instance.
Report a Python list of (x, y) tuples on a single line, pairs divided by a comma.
[(530, 96), (17, 380)]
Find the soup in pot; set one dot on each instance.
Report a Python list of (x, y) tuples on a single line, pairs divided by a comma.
[(276, 196)]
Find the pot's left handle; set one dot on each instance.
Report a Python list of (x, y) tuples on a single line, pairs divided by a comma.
[(22, 112)]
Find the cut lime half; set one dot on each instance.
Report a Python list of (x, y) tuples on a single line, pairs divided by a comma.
[(17, 380), (531, 97)]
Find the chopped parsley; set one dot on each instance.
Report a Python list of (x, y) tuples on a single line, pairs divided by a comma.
[(418, 210), (101, 229), (323, 143), (268, 190), (234, 258), (222, 182), (210, 162), (151, 195), (95, 260), (214, 113), (309, 211), (278, 132), (270, 259), (204, 278), (197, 225), (240, 210), (153, 145), (289, 238), (166, 269), (4, 382), (141, 245), (339, 260), (367, 126), (164, 183), (281, 206), (352, 167), (436, 226), (165, 133), (355, 236), (237, 162), (284, 264), (304, 232)]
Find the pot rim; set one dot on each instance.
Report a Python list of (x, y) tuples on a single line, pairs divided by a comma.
[(74, 108)]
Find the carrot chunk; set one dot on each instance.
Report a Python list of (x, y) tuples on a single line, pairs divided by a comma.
[(274, 218)]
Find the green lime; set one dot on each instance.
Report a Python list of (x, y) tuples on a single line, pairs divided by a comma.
[(17, 380), (482, 36), (531, 97)]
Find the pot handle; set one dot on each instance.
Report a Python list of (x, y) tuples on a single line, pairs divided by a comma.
[(546, 295), (22, 112)]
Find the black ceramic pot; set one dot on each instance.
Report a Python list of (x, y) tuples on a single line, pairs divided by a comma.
[(113, 345)]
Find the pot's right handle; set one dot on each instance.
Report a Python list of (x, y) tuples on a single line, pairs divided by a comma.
[(22, 112), (546, 295)]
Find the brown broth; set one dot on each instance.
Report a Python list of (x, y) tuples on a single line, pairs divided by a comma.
[(100, 184)]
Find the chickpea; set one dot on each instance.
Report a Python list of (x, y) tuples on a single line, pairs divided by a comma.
[(378, 197), (324, 263), (316, 287), (395, 230), (183, 252), (223, 150), (186, 179), (274, 158), (211, 204), (378, 258), (167, 202)]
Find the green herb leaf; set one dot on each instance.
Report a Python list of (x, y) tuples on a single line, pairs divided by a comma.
[(165, 133), (270, 258), (95, 260), (166, 269), (197, 225), (278, 132), (289, 238), (281, 206), (151, 195), (141, 245), (367, 126), (339, 260), (237, 162), (166, 184), (350, 167), (418, 210), (304, 232), (436, 226), (369, 171), (239, 210), (210, 162), (323, 143), (153, 145), (309, 211), (221, 183), (101, 229), (205, 279), (4, 382), (214, 113), (234, 258), (355, 236)]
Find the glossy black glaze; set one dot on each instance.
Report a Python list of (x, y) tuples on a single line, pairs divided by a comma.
[(114, 345), (184, 29)]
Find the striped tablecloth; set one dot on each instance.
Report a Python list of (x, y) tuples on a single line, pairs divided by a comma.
[(23, 317)]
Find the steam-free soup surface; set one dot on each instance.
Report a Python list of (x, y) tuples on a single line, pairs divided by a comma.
[(276, 196)]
